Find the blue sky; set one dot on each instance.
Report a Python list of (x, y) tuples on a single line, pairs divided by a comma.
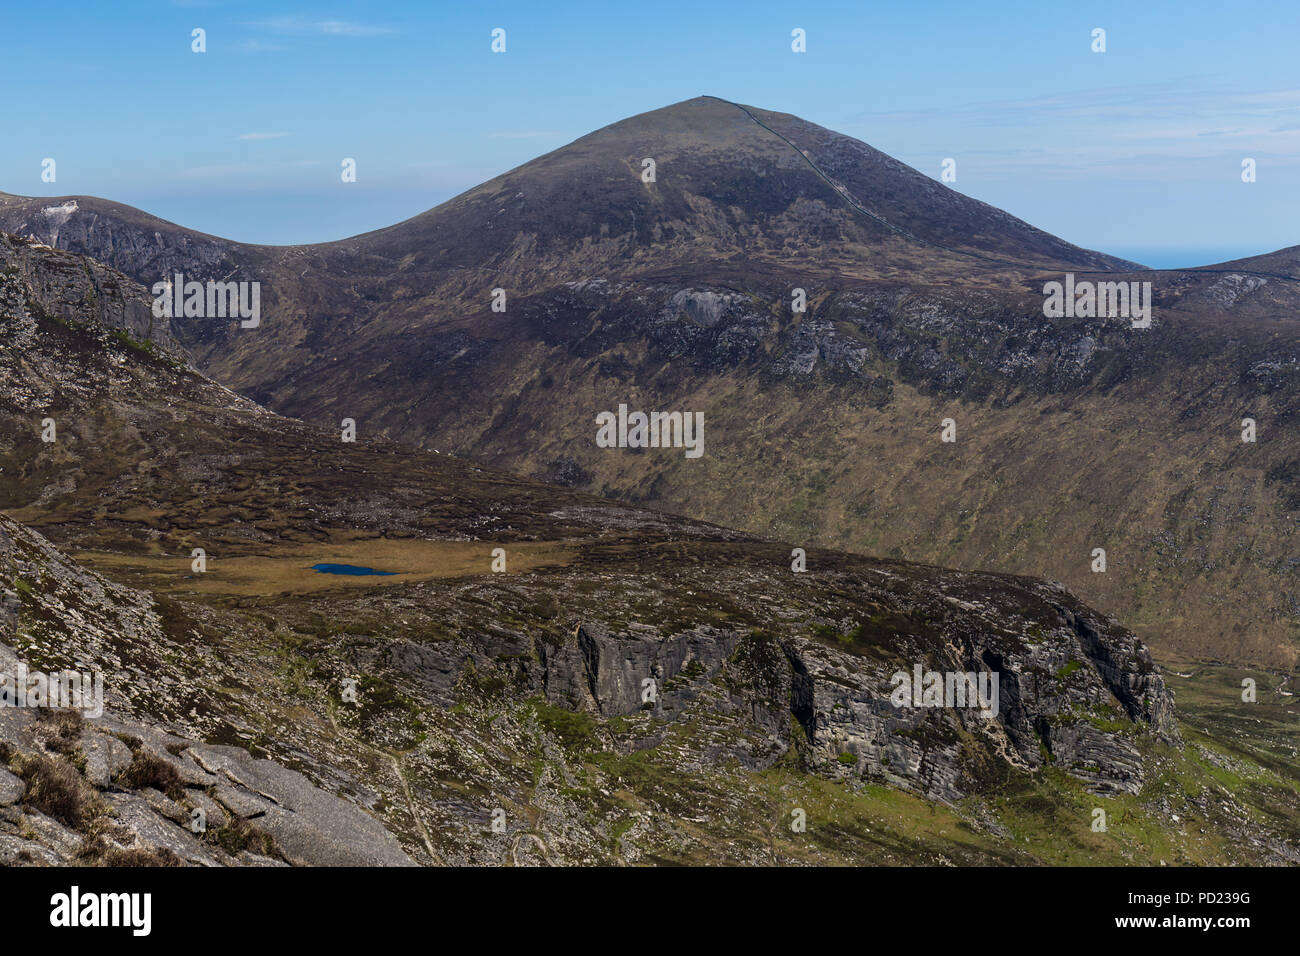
[(1136, 151)]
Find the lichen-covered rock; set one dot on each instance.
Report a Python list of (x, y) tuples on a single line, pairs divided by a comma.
[(11, 788)]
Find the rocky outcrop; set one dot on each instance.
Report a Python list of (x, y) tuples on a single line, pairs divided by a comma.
[(611, 674), (125, 239), (105, 789), (1074, 689), (35, 278)]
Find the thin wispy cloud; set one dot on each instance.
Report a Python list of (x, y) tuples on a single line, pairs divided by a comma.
[(1147, 131), (302, 26), (218, 171), (1129, 102), (524, 133), (247, 174), (260, 46)]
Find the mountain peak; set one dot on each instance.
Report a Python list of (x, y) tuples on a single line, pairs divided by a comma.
[(704, 180)]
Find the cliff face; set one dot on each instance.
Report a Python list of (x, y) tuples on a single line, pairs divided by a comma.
[(1072, 686), (80, 291)]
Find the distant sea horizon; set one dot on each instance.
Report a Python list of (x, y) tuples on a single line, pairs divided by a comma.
[(1168, 258)]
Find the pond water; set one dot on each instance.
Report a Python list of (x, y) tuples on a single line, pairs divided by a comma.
[(347, 569)]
